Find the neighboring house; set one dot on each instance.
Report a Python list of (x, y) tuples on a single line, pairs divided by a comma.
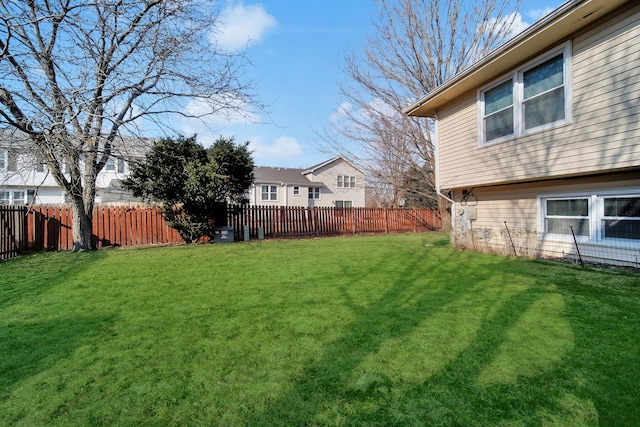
[(334, 183), (25, 179), (542, 137)]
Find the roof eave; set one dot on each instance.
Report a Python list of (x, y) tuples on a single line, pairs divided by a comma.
[(552, 29)]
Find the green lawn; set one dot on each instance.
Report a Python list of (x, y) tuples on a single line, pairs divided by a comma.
[(396, 330)]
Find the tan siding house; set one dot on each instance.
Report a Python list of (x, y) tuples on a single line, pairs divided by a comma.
[(538, 144), (334, 183)]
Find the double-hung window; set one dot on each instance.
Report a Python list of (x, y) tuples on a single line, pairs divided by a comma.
[(114, 165), (314, 193), (564, 215), (269, 193), (535, 97), (346, 181), (543, 100), (498, 111), (621, 217)]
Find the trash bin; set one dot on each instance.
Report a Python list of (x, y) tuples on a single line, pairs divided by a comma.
[(223, 235)]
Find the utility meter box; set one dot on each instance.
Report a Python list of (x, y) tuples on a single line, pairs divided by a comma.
[(469, 213), (223, 235)]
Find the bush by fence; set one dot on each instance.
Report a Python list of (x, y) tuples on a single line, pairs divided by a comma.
[(45, 227)]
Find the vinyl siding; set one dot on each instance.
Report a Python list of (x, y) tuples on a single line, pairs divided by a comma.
[(603, 135), (509, 213), (328, 175)]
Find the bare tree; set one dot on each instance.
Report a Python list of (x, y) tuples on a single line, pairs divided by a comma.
[(78, 77), (415, 46)]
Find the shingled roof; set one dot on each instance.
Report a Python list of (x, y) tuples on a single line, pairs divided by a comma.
[(275, 175)]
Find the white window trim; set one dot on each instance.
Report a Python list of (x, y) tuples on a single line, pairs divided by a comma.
[(269, 192), (346, 181), (596, 215), (518, 97), (27, 195), (319, 192), (296, 190)]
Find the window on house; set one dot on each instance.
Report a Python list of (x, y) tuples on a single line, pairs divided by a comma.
[(16, 197), (621, 218), (344, 204), (3, 157), (12, 161), (110, 165), (120, 166), (296, 191), (593, 217), (41, 166), (346, 181), (269, 193), (536, 97), (498, 106), (19, 197), (564, 214), (314, 192), (543, 100)]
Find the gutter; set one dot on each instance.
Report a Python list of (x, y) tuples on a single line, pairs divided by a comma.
[(436, 166)]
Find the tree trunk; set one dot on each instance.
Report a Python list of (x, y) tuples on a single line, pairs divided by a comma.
[(82, 227)]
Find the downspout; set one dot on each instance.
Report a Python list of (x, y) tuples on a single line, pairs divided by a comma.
[(286, 194), (436, 166)]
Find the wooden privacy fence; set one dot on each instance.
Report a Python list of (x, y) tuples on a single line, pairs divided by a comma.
[(291, 222), (48, 227), (13, 231)]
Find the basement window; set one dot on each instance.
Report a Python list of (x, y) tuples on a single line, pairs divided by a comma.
[(607, 217)]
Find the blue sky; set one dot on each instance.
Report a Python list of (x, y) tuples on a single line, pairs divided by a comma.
[(296, 49)]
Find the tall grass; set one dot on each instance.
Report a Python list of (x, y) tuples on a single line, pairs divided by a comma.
[(378, 330)]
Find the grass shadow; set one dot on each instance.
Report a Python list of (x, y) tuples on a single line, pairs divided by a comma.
[(33, 274), (337, 380), (30, 348)]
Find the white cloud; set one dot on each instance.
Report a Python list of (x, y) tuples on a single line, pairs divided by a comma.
[(341, 112), (519, 24), (208, 121), (535, 14), (281, 151), (513, 23), (376, 107), (235, 111), (242, 25)]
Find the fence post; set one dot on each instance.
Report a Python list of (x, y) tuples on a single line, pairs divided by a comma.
[(386, 220), (355, 220)]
